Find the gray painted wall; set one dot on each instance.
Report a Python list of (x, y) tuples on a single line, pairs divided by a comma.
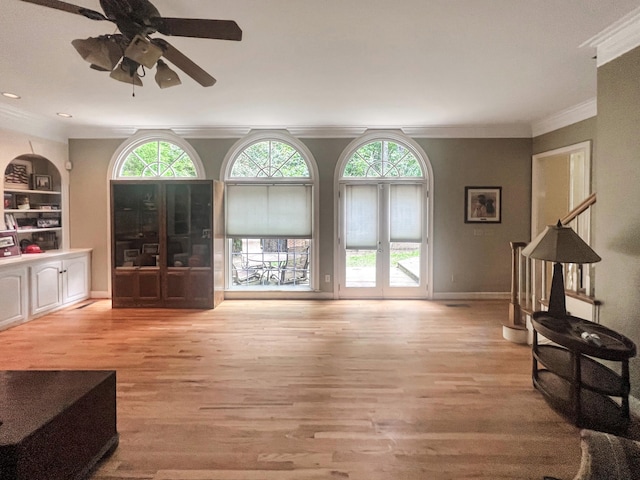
[(617, 222), (475, 256), (570, 135)]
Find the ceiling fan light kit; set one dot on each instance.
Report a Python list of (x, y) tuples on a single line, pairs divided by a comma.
[(165, 77), (127, 72), (142, 51), (134, 48), (103, 52)]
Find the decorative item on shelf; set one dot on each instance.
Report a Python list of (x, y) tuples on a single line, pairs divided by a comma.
[(48, 222), (559, 244), (40, 182), (9, 201), (9, 244), (17, 174), (22, 202), (46, 240), (27, 246), (26, 223), (150, 248), (129, 256)]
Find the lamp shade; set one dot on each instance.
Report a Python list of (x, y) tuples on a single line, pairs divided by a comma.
[(165, 77), (558, 243), (127, 72), (103, 52)]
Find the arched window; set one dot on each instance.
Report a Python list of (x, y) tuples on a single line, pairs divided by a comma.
[(156, 155), (383, 209), (383, 158), (270, 212)]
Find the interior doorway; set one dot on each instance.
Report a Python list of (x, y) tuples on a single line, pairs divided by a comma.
[(561, 180)]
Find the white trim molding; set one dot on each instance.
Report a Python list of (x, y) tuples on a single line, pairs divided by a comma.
[(617, 39), (566, 117)]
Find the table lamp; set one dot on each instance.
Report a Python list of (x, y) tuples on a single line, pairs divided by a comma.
[(559, 244)]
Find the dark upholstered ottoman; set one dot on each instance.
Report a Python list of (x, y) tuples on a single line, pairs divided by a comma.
[(56, 425)]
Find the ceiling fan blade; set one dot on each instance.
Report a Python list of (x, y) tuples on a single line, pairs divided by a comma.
[(200, 28), (69, 7), (185, 64)]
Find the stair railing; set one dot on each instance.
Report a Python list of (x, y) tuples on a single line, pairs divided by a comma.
[(529, 278)]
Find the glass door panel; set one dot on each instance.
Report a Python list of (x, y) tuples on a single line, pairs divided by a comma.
[(188, 225), (382, 255), (135, 225)]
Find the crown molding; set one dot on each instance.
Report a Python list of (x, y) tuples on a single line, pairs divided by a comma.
[(443, 131), (617, 39), (566, 117), (16, 120)]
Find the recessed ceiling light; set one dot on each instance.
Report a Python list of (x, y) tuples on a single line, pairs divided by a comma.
[(11, 95), (64, 115)]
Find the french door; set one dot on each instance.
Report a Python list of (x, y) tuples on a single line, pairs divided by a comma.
[(382, 240)]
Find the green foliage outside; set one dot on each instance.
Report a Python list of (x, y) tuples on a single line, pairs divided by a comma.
[(158, 159), (383, 159), (269, 159), (368, 258)]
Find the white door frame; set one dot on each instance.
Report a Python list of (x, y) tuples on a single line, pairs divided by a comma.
[(536, 167)]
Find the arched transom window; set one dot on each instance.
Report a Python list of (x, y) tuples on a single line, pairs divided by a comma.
[(268, 159), (157, 158), (383, 158)]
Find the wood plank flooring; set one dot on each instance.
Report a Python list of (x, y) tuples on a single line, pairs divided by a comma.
[(310, 390)]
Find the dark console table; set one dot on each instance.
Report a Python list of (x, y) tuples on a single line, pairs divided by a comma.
[(572, 381), (56, 425)]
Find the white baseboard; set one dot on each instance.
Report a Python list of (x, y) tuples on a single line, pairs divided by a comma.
[(100, 294)]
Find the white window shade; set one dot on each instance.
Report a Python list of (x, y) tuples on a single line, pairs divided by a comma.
[(405, 212), (264, 211), (361, 217)]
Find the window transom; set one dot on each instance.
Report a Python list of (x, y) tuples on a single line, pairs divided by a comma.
[(383, 158), (158, 159), (270, 159)]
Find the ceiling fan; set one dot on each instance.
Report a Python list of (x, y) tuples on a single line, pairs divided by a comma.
[(127, 53)]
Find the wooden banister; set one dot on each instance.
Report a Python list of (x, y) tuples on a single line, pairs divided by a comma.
[(584, 205)]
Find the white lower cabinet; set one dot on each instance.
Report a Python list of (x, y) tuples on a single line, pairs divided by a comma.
[(14, 296), (59, 282), (33, 285)]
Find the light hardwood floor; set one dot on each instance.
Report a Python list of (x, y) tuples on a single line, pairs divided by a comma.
[(310, 390)]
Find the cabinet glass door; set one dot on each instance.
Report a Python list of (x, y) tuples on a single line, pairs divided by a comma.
[(136, 223), (188, 225)]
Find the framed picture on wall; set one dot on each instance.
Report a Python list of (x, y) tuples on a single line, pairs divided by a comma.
[(483, 204)]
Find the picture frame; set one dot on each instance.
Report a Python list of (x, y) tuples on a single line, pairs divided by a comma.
[(17, 174), (483, 204), (40, 182), (151, 248), (130, 255), (22, 202), (9, 201)]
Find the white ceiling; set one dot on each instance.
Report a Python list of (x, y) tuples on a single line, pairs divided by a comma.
[(319, 64)]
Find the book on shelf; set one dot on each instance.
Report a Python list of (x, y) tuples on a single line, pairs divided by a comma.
[(10, 221)]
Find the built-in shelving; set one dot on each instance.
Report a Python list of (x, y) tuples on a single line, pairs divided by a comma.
[(33, 201)]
